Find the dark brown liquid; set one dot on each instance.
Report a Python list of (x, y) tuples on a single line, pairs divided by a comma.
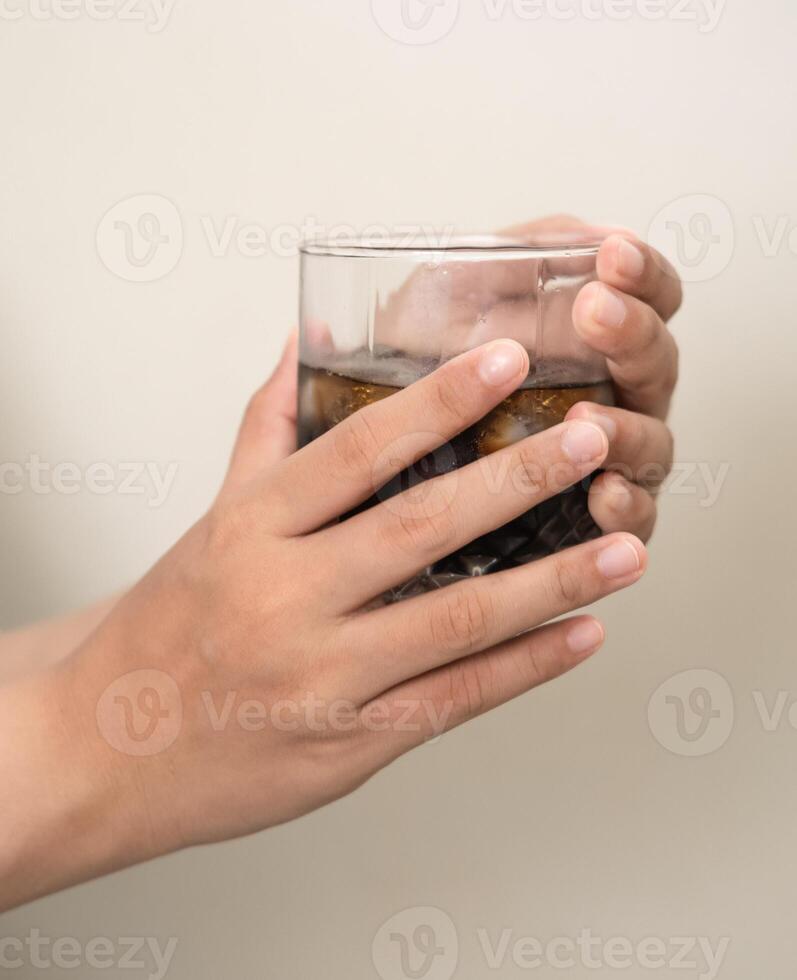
[(326, 399)]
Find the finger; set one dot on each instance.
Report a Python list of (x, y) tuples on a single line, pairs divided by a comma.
[(464, 296), (348, 464), (640, 447), (635, 268), (550, 223), (392, 542), (642, 355), (468, 292), (429, 706), (520, 280), (565, 228), (408, 639), (617, 505), (268, 430)]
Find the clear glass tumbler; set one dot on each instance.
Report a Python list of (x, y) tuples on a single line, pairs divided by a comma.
[(378, 316)]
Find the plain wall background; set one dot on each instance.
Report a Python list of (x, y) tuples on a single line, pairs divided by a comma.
[(561, 811)]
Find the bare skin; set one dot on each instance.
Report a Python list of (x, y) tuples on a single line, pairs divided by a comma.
[(265, 606)]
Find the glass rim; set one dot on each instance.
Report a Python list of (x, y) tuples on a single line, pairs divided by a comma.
[(465, 246)]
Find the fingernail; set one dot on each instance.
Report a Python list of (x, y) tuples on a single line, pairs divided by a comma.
[(502, 362), (583, 441), (608, 309), (630, 261), (585, 636), (619, 560)]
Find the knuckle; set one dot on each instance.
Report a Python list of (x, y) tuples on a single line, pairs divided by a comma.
[(672, 371), (651, 445), (461, 620), (537, 668), (641, 332), (530, 465), (670, 283), (677, 297), (567, 584), (446, 399), (469, 685), (225, 526), (357, 442), (669, 448), (414, 532), (637, 436), (664, 285)]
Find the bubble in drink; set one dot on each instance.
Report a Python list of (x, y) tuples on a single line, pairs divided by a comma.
[(327, 398)]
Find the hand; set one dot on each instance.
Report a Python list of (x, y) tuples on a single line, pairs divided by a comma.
[(624, 317), (643, 361), (264, 604)]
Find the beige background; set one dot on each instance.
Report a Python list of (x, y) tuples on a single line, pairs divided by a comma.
[(562, 811)]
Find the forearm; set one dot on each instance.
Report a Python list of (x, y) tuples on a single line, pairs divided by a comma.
[(70, 809), (43, 644)]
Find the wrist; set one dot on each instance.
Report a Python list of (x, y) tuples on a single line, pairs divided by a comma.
[(71, 806)]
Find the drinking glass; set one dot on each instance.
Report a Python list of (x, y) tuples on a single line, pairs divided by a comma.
[(377, 316)]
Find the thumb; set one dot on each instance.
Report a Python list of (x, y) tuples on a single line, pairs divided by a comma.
[(268, 430)]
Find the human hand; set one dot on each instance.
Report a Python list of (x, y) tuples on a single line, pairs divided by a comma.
[(264, 604), (624, 315)]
